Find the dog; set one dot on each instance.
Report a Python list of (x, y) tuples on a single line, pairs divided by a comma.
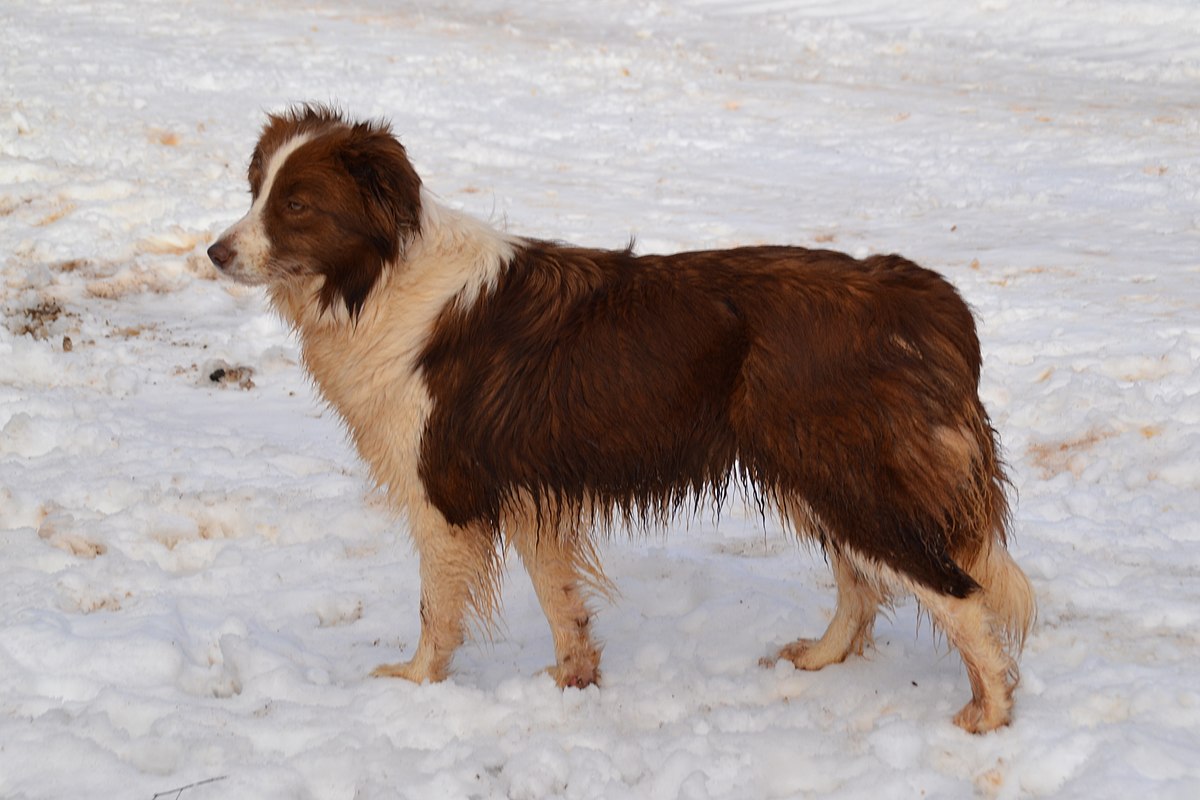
[(516, 392)]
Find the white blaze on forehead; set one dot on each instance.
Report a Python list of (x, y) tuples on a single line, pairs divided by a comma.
[(248, 236), (274, 164)]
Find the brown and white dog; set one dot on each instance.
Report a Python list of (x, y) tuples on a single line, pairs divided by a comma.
[(516, 392)]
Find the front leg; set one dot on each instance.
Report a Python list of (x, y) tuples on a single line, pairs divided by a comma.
[(562, 569), (459, 575)]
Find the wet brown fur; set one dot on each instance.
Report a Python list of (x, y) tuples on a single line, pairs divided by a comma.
[(641, 383), (523, 392)]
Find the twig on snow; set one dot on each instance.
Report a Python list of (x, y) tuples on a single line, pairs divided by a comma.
[(182, 789)]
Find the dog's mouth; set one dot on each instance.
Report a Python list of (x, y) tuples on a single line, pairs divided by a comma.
[(246, 269)]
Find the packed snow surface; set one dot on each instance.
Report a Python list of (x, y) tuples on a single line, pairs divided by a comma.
[(196, 579)]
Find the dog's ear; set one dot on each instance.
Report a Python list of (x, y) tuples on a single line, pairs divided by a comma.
[(389, 219), (388, 185)]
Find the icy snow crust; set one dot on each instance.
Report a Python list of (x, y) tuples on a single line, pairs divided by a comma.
[(195, 579)]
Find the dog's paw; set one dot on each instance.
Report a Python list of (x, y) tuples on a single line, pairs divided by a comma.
[(978, 716), (815, 654), (574, 679), (575, 673), (408, 670), (802, 653)]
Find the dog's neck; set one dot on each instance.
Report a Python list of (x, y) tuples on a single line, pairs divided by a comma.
[(454, 258), (366, 367)]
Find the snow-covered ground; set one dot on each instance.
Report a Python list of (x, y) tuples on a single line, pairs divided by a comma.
[(195, 580)]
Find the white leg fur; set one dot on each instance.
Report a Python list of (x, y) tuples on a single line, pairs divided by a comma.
[(557, 566), (986, 627), (850, 630), (460, 573), (967, 623)]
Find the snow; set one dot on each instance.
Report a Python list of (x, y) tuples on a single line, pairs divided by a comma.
[(197, 580)]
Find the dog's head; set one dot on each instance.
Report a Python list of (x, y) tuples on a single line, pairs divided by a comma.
[(329, 198)]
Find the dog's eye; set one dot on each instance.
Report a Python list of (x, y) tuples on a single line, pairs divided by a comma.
[(295, 206)]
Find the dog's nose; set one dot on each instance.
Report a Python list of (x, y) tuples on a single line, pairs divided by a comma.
[(221, 254)]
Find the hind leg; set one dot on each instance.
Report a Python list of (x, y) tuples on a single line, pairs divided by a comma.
[(557, 566), (988, 628), (850, 630), (459, 575), (968, 625)]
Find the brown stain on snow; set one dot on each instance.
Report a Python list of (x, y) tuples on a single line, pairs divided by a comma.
[(1052, 458), (58, 213), (163, 137)]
